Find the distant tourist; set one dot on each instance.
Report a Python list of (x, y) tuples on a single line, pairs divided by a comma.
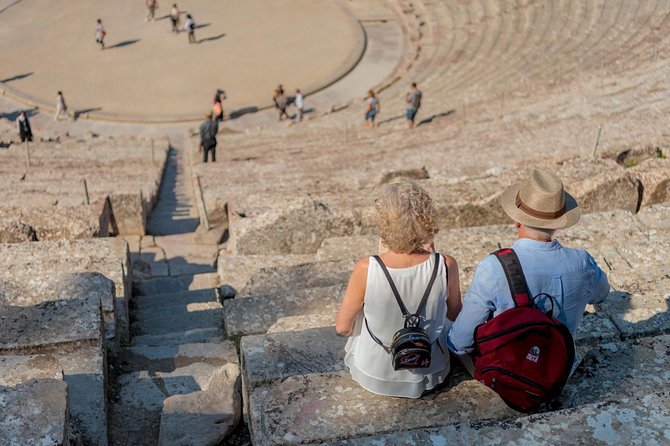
[(281, 102), (189, 27), (61, 107), (427, 286), (217, 104), (371, 109), (152, 6), (174, 18), (23, 126), (100, 34), (413, 100), (208, 130), (299, 104)]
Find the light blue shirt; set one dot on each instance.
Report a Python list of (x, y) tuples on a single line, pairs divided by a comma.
[(570, 276)]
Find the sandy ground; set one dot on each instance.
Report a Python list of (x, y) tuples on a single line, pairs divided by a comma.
[(246, 47)]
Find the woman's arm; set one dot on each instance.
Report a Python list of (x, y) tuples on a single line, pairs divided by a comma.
[(454, 301), (352, 302)]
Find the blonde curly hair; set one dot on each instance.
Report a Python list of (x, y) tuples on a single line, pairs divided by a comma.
[(406, 217)]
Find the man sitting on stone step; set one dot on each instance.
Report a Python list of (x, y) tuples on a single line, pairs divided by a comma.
[(538, 206)]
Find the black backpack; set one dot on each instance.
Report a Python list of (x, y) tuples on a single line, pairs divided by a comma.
[(410, 347)]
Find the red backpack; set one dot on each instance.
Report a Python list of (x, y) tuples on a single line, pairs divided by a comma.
[(524, 354)]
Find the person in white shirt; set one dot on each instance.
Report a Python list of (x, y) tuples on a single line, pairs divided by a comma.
[(61, 107), (189, 26), (299, 104)]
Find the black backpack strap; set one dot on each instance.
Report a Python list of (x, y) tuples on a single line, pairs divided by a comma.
[(401, 304), (515, 278), (375, 338), (426, 293), (398, 299)]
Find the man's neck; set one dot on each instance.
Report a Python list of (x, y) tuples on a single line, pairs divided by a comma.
[(534, 238)]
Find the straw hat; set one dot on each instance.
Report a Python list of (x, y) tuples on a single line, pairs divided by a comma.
[(540, 202)]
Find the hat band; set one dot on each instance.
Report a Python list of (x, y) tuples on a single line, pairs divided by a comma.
[(538, 214)]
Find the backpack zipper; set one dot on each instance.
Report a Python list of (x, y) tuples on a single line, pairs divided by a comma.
[(511, 329), (520, 378)]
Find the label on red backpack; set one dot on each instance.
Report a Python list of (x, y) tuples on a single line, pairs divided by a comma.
[(534, 354)]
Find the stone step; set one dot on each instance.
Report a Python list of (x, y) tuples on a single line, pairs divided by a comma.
[(173, 311), (34, 397), (303, 322), (168, 358), (236, 270), (188, 385), (317, 404), (187, 337), (176, 284), (211, 318), (256, 314), (181, 299), (640, 420)]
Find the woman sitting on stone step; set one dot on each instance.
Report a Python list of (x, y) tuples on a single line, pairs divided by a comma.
[(370, 312)]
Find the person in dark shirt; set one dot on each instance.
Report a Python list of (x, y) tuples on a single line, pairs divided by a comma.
[(208, 130)]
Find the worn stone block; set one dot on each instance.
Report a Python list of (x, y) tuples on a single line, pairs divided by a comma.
[(277, 356), (303, 322), (34, 412), (49, 323), (289, 279), (654, 177), (12, 231), (236, 271), (256, 314), (655, 217), (351, 248), (211, 413), (21, 369), (298, 227), (129, 213), (634, 421), (56, 258)]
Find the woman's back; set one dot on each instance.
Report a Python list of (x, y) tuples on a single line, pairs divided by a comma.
[(369, 363)]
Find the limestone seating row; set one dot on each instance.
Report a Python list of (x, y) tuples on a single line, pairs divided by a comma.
[(309, 402), (70, 329), (58, 173), (32, 269), (299, 227), (626, 246), (34, 407), (25, 224)]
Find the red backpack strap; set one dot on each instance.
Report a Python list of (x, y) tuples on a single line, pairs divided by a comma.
[(515, 278)]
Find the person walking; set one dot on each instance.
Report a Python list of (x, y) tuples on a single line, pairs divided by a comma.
[(23, 126), (189, 27), (100, 34), (208, 130), (413, 100), (372, 108), (174, 18), (61, 107), (152, 6), (299, 104), (281, 102)]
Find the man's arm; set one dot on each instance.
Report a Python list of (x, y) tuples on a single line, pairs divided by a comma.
[(601, 286), (477, 306)]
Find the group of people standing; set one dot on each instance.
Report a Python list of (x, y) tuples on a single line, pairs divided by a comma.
[(152, 6), (373, 106), (281, 103)]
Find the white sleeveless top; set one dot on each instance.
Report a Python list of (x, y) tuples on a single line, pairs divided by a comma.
[(369, 364)]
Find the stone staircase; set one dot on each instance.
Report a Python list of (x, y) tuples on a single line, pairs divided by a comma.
[(179, 378)]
